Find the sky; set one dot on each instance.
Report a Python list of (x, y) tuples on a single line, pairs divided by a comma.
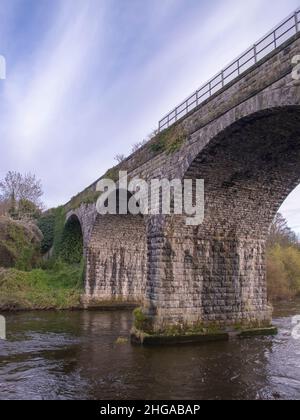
[(86, 79)]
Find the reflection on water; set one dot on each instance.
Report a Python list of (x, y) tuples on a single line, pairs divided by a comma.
[(74, 355)]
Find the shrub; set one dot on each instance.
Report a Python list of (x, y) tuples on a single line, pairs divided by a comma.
[(283, 272), (142, 322), (19, 244)]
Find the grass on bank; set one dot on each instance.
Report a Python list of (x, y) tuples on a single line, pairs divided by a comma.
[(58, 287)]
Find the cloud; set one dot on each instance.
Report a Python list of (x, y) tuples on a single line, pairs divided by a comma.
[(87, 79), (39, 99)]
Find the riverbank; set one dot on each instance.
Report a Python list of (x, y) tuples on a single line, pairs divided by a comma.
[(58, 288)]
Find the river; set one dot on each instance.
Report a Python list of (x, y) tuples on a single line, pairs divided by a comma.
[(75, 355)]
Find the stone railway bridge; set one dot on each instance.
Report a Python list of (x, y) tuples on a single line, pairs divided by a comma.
[(244, 142)]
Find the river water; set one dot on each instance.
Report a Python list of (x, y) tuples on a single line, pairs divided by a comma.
[(74, 355)]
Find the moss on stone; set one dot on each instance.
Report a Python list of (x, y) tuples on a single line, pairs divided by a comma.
[(170, 140), (121, 341), (113, 173), (85, 197), (258, 332), (196, 329), (141, 321)]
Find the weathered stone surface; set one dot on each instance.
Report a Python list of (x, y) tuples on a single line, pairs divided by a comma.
[(117, 259)]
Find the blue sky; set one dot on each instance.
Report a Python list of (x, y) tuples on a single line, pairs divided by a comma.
[(88, 78)]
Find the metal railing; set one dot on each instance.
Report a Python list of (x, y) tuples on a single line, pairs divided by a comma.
[(282, 33)]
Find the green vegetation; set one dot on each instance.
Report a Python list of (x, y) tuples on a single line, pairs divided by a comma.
[(29, 282), (19, 244), (197, 329), (86, 197), (64, 238), (59, 224), (113, 173), (71, 246), (59, 287), (41, 256), (46, 225), (283, 272), (143, 324), (170, 140), (141, 321)]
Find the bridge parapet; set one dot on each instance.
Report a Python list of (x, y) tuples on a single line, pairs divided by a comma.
[(262, 48)]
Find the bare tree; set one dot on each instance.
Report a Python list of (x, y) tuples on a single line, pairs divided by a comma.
[(138, 145), (120, 158), (280, 233), (142, 143), (5, 206), (17, 188)]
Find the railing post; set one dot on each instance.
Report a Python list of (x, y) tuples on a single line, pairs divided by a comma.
[(222, 76), (255, 53), (275, 39), (296, 22)]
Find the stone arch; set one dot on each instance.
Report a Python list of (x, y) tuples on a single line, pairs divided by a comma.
[(283, 94), (253, 164), (249, 169), (215, 272), (117, 259), (86, 215)]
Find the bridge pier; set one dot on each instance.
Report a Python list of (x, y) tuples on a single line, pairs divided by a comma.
[(116, 261), (199, 281)]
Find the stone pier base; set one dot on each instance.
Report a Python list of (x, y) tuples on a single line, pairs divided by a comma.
[(141, 338)]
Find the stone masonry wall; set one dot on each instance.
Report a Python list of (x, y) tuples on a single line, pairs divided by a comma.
[(206, 280), (117, 259)]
